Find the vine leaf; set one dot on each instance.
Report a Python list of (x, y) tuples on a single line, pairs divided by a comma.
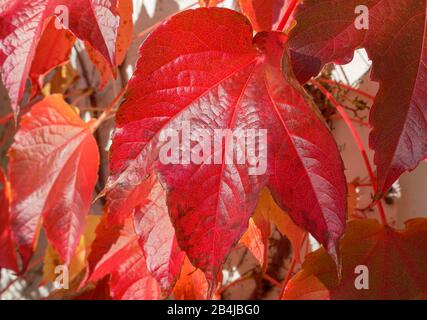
[(157, 239), (116, 252), (257, 236), (396, 42), (53, 170), (395, 260), (192, 284), (23, 23), (78, 261), (53, 49), (272, 212), (216, 76), (124, 40), (98, 291)]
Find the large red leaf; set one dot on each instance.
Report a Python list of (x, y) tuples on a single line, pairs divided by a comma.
[(53, 170), (156, 237), (7, 252), (396, 41), (116, 252), (203, 67), (393, 262), (22, 23)]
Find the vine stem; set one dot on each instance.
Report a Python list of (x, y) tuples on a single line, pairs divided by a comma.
[(287, 14), (108, 111), (10, 116), (271, 280), (6, 118), (346, 86), (358, 141), (288, 276), (11, 283), (293, 265), (358, 121)]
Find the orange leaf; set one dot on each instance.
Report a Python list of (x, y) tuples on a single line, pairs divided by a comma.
[(192, 284), (283, 222), (79, 259), (125, 31), (7, 253), (53, 169), (256, 237)]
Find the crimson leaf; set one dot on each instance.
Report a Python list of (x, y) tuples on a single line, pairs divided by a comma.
[(396, 41), (156, 237), (115, 252), (204, 67)]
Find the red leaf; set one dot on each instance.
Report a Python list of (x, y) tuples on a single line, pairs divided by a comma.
[(116, 252), (132, 281), (100, 291), (391, 264), (7, 253), (53, 170), (124, 39), (22, 23), (396, 42), (203, 67), (264, 14), (156, 237), (53, 49), (104, 69)]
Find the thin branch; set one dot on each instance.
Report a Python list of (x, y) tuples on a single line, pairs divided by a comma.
[(231, 284), (288, 276), (6, 118), (363, 123), (348, 87), (358, 141), (287, 15), (273, 281), (108, 111), (11, 283)]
